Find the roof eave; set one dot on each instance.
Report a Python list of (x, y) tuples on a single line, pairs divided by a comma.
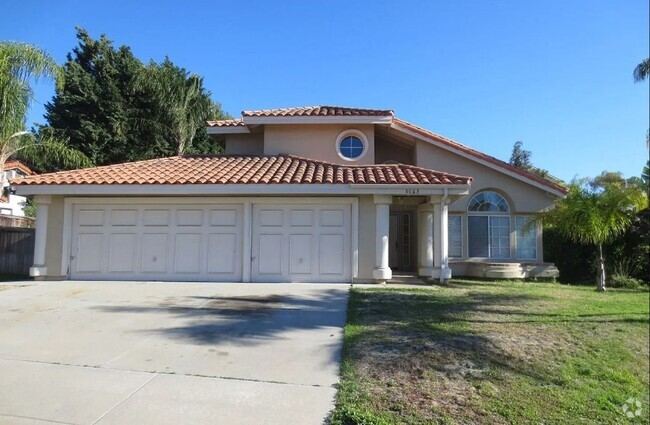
[(241, 189)]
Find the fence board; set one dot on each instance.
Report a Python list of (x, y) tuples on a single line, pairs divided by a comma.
[(16, 250)]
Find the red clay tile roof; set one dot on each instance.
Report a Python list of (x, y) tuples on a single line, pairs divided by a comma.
[(477, 154), (226, 123), (10, 165), (235, 169), (312, 111)]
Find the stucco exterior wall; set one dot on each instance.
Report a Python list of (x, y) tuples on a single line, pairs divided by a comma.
[(315, 141), (245, 144), (522, 197), (54, 241), (367, 239)]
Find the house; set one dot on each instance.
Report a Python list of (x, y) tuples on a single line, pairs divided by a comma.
[(11, 204), (315, 194)]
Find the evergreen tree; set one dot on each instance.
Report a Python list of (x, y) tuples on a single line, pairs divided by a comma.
[(105, 112), (520, 157)]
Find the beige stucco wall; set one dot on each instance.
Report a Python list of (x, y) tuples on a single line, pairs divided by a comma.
[(54, 238), (315, 141), (245, 144), (367, 238), (523, 197)]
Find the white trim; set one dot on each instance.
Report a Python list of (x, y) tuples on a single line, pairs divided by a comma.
[(320, 119), (471, 157), (354, 224), (246, 241), (69, 203), (354, 133), (239, 129), (240, 189)]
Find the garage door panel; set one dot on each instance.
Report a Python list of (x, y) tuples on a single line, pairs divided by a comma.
[(121, 250), (154, 252), (189, 217), (269, 257), (300, 252), (301, 218), (331, 255), (89, 252), (301, 242), (223, 217), (124, 217), (157, 241), (187, 257), (156, 217), (90, 217), (332, 218), (271, 218), (222, 253)]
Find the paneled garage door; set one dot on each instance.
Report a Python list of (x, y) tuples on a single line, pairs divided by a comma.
[(157, 242), (301, 243)]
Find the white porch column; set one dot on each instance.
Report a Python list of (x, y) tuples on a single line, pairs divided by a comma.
[(445, 271), (42, 205), (425, 231), (437, 242), (382, 271)]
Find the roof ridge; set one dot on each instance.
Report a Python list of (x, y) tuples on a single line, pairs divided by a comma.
[(244, 169)]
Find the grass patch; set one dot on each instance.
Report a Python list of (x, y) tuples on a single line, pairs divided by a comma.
[(493, 353)]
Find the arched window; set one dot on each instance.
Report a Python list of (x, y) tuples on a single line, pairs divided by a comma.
[(488, 222), (488, 202)]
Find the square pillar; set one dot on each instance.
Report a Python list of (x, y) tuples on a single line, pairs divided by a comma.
[(382, 271), (425, 239), (42, 206)]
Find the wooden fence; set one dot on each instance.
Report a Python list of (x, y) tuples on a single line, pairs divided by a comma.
[(16, 250)]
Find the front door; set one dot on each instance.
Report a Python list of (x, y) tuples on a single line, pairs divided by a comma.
[(400, 237)]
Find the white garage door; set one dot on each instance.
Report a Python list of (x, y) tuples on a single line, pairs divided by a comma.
[(157, 242), (301, 243)]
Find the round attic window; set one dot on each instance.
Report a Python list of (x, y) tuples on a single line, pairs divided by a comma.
[(351, 145)]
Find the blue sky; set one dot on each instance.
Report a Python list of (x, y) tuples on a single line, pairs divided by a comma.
[(554, 74)]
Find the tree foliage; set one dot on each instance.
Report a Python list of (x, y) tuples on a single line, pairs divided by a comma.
[(595, 215), (642, 70), (116, 109), (520, 157), (21, 63)]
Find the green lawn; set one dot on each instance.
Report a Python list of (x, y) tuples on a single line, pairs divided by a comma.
[(493, 353)]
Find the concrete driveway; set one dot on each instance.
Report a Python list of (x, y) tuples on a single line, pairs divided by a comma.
[(169, 353)]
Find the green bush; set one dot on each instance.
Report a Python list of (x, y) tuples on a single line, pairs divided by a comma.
[(626, 282)]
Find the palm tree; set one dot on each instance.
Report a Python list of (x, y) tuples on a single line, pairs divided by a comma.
[(185, 104), (594, 216), (20, 62), (642, 70)]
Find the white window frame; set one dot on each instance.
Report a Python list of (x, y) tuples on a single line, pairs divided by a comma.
[(356, 133), (490, 216)]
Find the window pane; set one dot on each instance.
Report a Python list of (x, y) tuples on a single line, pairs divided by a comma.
[(526, 240), (455, 236), (351, 147), (477, 236), (488, 202), (499, 237)]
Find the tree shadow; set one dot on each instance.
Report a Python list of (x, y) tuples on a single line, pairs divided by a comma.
[(243, 320)]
